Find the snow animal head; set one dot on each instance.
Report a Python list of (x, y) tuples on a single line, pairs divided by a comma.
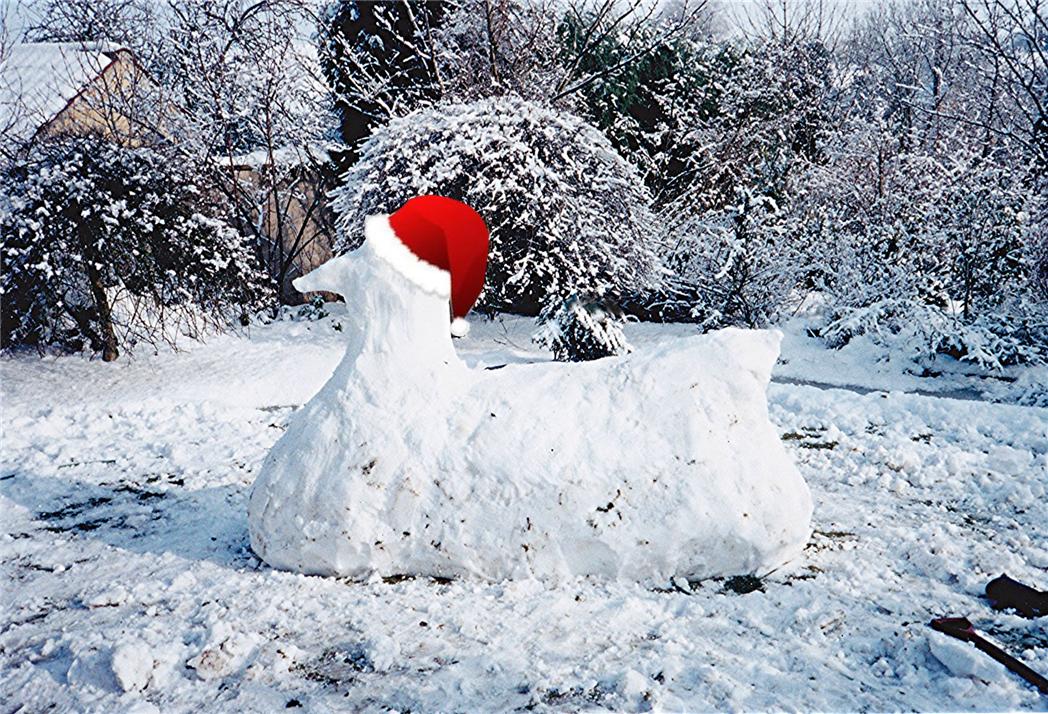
[(437, 243)]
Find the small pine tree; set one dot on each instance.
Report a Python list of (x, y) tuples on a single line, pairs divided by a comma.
[(579, 331), (102, 248)]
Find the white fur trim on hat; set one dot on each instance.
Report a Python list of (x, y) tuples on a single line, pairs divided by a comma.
[(459, 327), (385, 244)]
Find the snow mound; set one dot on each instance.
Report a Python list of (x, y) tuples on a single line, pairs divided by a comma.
[(962, 659), (645, 467)]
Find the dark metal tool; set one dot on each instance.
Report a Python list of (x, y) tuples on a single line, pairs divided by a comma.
[(1005, 593)]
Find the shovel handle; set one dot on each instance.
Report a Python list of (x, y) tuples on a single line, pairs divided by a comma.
[(962, 629)]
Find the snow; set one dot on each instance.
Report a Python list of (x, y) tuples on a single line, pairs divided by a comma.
[(123, 494), (401, 464), (292, 155), (132, 665), (963, 659), (37, 80)]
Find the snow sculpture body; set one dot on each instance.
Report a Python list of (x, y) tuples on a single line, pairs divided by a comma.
[(657, 464)]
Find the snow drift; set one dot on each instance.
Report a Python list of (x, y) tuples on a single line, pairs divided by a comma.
[(658, 464)]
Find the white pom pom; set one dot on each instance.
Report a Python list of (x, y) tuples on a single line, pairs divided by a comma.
[(459, 327)]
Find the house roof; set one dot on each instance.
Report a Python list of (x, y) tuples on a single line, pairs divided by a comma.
[(39, 79)]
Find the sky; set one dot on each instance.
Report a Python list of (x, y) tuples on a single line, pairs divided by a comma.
[(17, 14)]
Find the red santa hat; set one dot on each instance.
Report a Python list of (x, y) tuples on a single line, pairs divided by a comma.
[(438, 243)]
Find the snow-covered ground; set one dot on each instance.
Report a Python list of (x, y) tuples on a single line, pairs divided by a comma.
[(129, 584)]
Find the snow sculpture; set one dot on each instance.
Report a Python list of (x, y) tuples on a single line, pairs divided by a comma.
[(657, 464)]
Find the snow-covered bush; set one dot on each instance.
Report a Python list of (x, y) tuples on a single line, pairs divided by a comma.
[(1017, 334), (578, 331), (733, 266), (103, 247), (566, 213), (940, 261)]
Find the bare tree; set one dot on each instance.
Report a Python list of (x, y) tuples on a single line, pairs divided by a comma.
[(253, 102), (1012, 35), (12, 108), (123, 22), (793, 21)]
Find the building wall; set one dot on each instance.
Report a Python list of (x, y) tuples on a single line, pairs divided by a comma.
[(297, 214)]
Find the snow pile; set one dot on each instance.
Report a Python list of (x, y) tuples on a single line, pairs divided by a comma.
[(962, 659), (645, 467)]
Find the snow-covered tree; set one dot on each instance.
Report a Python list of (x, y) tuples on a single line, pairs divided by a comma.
[(930, 253), (917, 220), (229, 84), (380, 59), (1037, 250), (104, 247), (649, 106), (236, 76), (567, 214), (1009, 37), (128, 23), (579, 330), (252, 100), (766, 116), (384, 60), (753, 118)]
